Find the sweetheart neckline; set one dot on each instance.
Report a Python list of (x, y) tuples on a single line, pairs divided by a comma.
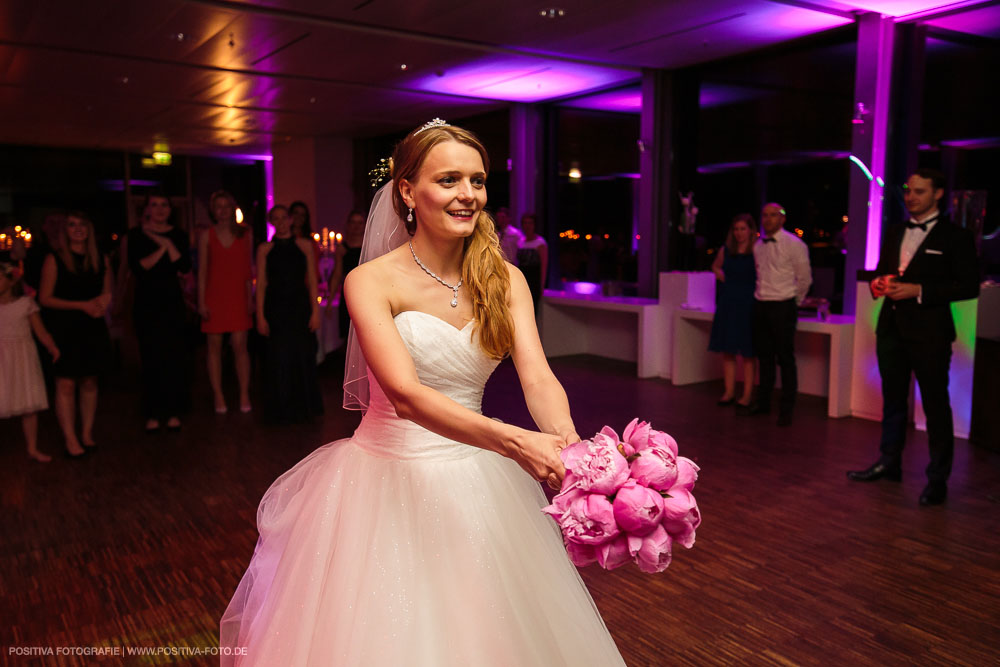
[(435, 317)]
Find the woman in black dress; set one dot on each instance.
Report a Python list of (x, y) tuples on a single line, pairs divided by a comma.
[(75, 291), (732, 325), (157, 253), (288, 316), (347, 256)]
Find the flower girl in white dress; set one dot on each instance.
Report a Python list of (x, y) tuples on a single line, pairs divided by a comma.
[(22, 387), (419, 541)]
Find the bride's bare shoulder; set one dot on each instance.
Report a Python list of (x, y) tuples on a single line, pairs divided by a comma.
[(381, 273)]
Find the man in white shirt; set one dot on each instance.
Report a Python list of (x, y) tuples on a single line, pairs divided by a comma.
[(783, 280), (509, 235)]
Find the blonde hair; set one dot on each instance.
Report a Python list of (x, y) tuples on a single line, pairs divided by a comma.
[(732, 247), (238, 229), (91, 258), (484, 271)]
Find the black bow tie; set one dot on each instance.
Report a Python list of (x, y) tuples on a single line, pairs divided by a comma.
[(922, 226), (767, 239)]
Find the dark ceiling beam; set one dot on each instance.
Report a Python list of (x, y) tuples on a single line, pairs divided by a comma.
[(235, 70), (397, 33)]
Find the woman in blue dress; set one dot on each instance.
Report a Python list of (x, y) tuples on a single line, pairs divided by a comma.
[(732, 326)]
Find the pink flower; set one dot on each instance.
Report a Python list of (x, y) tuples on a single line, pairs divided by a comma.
[(655, 466), (678, 505), (682, 524), (596, 464), (638, 510), (581, 555), (590, 519), (635, 436), (687, 473), (563, 499), (661, 439), (682, 531), (654, 553), (614, 553)]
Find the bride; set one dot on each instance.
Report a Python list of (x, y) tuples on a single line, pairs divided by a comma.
[(419, 541)]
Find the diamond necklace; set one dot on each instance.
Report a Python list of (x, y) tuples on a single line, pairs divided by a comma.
[(453, 288)]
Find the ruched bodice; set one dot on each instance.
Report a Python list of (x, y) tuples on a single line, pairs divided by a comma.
[(447, 359)]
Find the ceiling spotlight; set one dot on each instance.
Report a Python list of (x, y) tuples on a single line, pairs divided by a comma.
[(312, 100), (180, 36), (404, 67), (552, 13), (123, 79)]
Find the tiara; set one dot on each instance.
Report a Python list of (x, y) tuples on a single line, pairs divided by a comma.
[(436, 122)]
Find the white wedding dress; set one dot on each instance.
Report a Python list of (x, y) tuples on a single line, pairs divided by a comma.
[(400, 547)]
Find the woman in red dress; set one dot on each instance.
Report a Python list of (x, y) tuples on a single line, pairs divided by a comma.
[(225, 253)]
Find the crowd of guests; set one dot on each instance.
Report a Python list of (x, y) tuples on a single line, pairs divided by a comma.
[(67, 306), (165, 277)]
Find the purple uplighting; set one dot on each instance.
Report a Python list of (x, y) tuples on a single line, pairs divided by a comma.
[(980, 142), (900, 7), (790, 19), (626, 100), (522, 79), (983, 22)]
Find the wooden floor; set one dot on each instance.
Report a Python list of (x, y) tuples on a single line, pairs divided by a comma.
[(142, 543)]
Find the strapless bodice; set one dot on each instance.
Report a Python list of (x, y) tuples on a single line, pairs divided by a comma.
[(447, 359)]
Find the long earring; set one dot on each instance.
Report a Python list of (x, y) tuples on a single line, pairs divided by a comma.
[(409, 216)]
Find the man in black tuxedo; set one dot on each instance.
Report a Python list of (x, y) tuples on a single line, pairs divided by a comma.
[(924, 266)]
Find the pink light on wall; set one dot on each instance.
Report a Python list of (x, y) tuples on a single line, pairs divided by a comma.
[(269, 190), (522, 79), (879, 119), (626, 100)]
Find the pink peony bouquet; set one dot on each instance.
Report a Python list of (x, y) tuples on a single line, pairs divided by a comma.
[(626, 499)]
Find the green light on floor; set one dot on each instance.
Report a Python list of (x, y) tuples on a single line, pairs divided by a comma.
[(964, 314)]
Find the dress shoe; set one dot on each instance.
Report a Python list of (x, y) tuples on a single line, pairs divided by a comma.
[(785, 419), (933, 494), (725, 401), (751, 410), (874, 472)]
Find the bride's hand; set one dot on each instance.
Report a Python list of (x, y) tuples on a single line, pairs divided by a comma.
[(569, 438), (538, 455)]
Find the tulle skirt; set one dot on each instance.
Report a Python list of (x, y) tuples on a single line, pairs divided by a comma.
[(22, 387), (429, 562)]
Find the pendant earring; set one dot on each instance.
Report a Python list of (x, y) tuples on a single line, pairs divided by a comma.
[(409, 216)]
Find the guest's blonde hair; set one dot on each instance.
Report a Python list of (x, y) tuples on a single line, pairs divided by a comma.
[(238, 229), (732, 247), (484, 271), (91, 256)]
